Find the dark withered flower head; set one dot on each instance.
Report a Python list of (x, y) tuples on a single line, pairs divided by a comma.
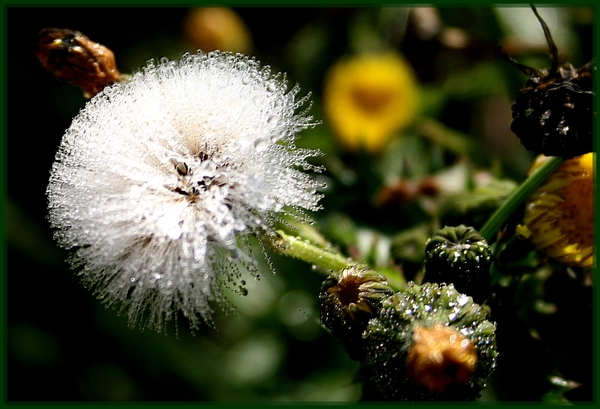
[(348, 300), (430, 343), (461, 256), (554, 112)]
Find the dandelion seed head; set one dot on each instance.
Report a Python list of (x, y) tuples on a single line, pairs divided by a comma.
[(160, 178)]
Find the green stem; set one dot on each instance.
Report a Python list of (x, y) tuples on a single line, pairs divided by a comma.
[(309, 252), (498, 219), (455, 141), (327, 260)]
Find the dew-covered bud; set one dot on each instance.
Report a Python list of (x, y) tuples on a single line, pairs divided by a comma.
[(348, 300), (440, 357), (430, 343), (461, 256)]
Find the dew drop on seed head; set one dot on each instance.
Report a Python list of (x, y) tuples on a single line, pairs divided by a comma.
[(261, 144)]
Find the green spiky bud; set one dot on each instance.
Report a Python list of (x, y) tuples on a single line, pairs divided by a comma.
[(430, 343), (348, 300), (461, 256)]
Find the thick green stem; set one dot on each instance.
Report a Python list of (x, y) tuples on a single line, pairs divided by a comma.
[(498, 219)]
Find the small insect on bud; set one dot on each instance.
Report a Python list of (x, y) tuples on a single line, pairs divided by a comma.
[(554, 112), (459, 255), (71, 56), (348, 300), (430, 343)]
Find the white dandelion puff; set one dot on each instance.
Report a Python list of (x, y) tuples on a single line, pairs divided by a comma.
[(160, 180)]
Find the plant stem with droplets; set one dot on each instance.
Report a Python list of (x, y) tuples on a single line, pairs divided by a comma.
[(328, 260), (306, 251)]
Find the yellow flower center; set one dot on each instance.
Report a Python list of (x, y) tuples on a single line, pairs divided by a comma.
[(372, 100), (368, 99)]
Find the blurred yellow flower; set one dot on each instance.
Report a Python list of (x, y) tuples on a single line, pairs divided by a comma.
[(558, 216), (217, 28), (368, 98)]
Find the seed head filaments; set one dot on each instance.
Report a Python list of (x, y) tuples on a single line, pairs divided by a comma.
[(161, 178)]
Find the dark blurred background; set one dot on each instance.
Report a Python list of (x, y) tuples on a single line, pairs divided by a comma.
[(63, 345)]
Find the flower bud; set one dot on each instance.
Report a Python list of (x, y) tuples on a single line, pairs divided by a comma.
[(461, 256), (348, 301), (430, 343), (71, 56)]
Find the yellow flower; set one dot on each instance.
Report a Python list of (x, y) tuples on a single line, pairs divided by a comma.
[(217, 28), (559, 215), (368, 98)]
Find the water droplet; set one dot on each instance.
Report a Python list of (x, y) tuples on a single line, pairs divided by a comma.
[(261, 144)]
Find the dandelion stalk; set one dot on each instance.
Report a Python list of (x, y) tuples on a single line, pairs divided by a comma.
[(327, 259), (497, 220), (309, 252)]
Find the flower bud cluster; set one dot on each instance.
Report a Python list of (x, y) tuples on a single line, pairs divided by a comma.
[(426, 343)]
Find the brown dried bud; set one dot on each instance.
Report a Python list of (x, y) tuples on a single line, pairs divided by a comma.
[(71, 56), (440, 357)]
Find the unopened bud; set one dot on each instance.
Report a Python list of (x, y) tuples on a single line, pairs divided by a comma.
[(71, 56)]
